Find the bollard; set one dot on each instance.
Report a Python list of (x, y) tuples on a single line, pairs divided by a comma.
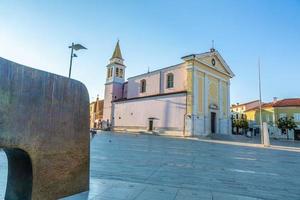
[(266, 135)]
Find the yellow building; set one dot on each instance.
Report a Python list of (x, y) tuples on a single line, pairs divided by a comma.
[(96, 113), (271, 112)]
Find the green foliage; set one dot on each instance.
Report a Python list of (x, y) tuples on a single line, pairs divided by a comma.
[(286, 123), (240, 123)]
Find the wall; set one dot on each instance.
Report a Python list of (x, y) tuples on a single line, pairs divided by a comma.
[(156, 82), (253, 116), (113, 91), (288, 110), (210, 88), (107, 101), (168, 110)]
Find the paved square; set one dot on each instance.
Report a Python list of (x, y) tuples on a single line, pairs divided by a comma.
[(127, 166)]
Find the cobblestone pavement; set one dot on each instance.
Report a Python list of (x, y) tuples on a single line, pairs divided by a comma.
[(136, 167)]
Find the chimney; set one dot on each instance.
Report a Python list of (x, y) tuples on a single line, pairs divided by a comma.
[(275, 99)]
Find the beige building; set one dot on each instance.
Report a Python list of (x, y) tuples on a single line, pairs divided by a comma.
[(96, 113), (241, 108)]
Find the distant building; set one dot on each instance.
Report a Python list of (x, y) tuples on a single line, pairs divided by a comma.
[(272, 111), (238, 110), (96, 113), (188, 99)]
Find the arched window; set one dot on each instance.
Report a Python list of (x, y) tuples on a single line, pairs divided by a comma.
[(121, 73), (110, 73), (143, 86), (117, 72), (170, 80)]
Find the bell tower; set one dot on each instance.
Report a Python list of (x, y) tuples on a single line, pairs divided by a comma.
[(115, 78)]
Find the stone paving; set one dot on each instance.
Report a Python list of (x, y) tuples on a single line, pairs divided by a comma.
[(137, 167)]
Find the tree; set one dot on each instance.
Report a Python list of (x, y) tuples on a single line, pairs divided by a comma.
[(285, 124), (244, 125), (236, 125), (240, 124)]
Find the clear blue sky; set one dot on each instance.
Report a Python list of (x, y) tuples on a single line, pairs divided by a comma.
[(157, 34)]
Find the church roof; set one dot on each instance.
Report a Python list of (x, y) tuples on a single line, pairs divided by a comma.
[(117, 52)]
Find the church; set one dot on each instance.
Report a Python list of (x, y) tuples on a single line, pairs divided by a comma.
[(191, 98)]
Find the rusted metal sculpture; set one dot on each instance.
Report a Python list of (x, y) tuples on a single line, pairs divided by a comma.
[(44, 131)]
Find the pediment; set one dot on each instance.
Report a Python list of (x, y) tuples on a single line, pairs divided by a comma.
[(215, 61)]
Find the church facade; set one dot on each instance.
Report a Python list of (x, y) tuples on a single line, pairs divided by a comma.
[(191, 98)]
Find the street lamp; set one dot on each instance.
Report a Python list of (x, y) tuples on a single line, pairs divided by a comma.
[(75, 47)]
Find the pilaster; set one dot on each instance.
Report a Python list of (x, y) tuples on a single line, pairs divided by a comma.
[(228, 109), (206, 106), (220, 106)]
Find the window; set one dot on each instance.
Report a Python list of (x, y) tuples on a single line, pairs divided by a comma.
[(110, 70), (297, 117), (121, 73), (170, 80), (143, 86), (117, 72), (282, 115)]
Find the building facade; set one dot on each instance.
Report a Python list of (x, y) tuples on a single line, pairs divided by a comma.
[(96, 113), (241, 108), (273, 111), (191, 98)]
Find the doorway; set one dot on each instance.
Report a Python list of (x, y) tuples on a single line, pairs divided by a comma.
[(150, 127), (213, 122), (297, 134)]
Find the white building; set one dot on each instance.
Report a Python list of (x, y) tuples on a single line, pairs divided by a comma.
[(191, 98)]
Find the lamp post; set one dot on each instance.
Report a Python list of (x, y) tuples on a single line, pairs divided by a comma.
[(75, 47)]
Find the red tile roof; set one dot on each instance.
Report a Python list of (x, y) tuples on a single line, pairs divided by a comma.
[(292, 102), (263, 105), (243, 104), (287, 102)]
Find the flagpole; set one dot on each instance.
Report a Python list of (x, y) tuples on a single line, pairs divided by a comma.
[(260, 115)]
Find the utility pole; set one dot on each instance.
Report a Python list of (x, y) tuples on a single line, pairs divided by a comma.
[(260, 114)]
